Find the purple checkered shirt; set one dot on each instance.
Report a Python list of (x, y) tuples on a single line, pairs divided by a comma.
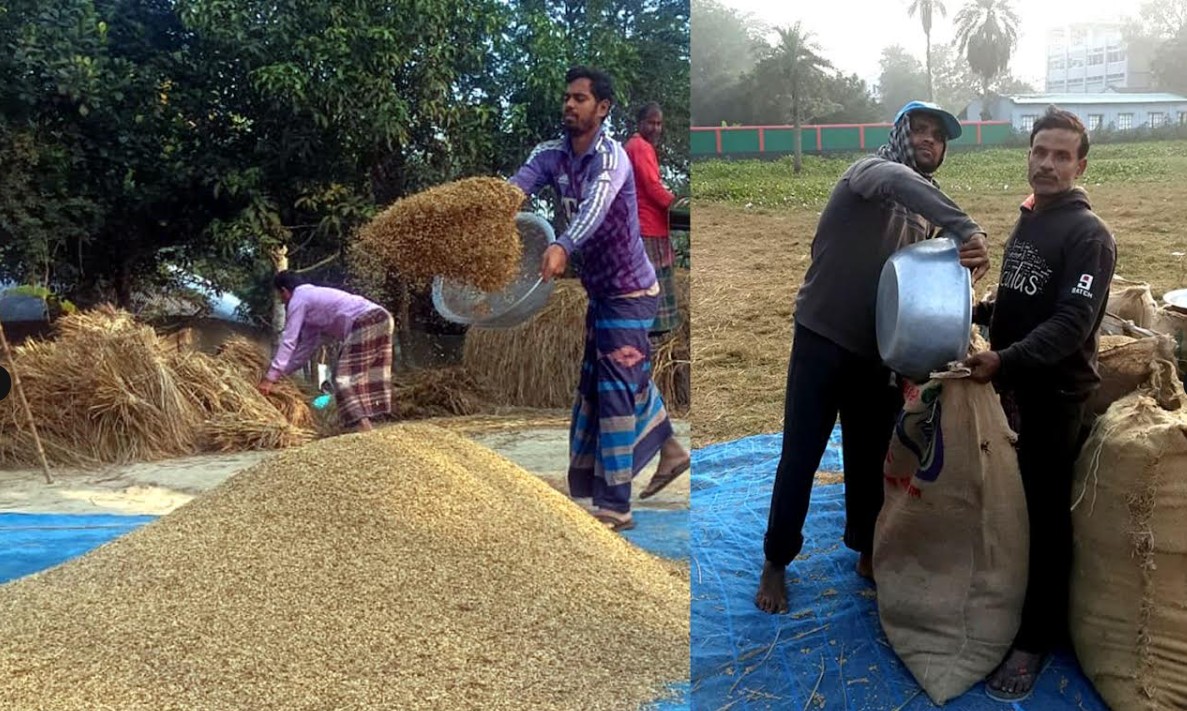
[(597, 193)]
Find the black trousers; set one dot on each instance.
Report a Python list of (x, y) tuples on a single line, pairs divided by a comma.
[(824, 379), (1050, 435)]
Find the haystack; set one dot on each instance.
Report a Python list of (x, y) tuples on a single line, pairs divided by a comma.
[(106, 389), (464, 230), (406, 568), (538, 364)]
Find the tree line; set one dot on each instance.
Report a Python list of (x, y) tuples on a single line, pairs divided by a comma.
[(218, 136)]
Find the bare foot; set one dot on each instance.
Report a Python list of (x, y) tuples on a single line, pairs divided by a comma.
[(772, 589), (865, 566), (365, 425), (1015, 678)]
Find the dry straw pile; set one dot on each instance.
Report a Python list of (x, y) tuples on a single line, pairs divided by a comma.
[(464, 231), (538, 364), (106, 389), (406, 568)]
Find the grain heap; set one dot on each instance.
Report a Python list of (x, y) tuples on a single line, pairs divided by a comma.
[(463, 231), (107, 389), (538, 364), (406, 568)]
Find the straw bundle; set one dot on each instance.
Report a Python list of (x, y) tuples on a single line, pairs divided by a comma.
[(439, 392), (464, 230), (538, 364), (251, 364), (406, 568), (107, 389)]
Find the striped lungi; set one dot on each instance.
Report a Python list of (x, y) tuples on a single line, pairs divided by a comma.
[(663, 258), (363, 376), (619, 419)]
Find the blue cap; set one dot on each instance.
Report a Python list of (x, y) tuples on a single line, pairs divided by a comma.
[(951, 124)]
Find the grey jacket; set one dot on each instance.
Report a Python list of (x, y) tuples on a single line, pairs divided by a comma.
[(876, 208)]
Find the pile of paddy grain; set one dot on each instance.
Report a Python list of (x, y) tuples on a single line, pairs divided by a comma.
[(405, 568), (538, 364), (463, 231), (107, 389)]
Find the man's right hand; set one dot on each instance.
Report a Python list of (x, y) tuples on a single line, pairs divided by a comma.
[(974, 255)]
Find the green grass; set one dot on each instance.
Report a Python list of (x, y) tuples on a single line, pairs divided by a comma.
[(772, 184)]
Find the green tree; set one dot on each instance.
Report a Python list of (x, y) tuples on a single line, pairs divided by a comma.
[(793, 73), (849, 99), (987, 31), (902, 80), (1158, 34), (926, 9), (957, 85), (725, 46)]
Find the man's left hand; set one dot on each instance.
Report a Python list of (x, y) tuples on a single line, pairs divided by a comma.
[(974, 255), (554, 262), (983, 365), (265, 387)]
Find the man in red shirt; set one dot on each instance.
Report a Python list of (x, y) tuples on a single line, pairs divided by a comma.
[(654, 201)]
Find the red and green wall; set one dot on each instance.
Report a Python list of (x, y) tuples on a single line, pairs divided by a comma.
[(758, 141)]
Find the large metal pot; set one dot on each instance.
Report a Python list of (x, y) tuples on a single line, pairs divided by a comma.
[(515, 304), (925, 309)]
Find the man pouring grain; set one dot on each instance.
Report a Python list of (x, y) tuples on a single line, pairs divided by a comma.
[(1043, 333), (881, 204), (363, 374), (619, 419)]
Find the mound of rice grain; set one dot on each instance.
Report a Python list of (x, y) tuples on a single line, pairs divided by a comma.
[(464, 230), (406, 568)]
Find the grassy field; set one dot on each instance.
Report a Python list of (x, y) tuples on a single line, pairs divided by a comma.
[(753, 224)]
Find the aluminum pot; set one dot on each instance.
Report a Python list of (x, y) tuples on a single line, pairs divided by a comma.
[(925, 309)]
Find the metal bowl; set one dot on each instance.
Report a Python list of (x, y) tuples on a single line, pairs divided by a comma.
[(1176, 300), (925, 310), (516, 303)]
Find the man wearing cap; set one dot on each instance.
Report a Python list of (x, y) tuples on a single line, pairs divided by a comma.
[(882, 203)]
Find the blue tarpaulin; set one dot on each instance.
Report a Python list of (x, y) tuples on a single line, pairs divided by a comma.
[(828, 652), (33, 542)]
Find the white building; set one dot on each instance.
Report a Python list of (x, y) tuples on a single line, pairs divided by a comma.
[(1090, 57), (1111, 110)]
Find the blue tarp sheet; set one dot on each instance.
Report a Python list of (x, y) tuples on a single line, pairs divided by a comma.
[(828, 652), (34, 542)]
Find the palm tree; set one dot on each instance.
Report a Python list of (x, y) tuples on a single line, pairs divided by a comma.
[(987, 31), (925, 8), (794, 67)]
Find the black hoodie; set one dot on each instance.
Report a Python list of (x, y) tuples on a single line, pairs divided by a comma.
[(1056, 271)]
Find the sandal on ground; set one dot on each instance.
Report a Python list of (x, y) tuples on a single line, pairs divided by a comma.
[(662, 479), (615, 522), (1016, 673)]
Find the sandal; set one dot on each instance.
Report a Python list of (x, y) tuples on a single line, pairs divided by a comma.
[(614, 522), (660, 481), (1016, 673)]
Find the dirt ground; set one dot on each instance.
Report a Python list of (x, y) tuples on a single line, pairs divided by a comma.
[(537, 442), (749, 264)]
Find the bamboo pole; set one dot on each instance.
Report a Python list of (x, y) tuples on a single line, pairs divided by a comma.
[(20, 393)]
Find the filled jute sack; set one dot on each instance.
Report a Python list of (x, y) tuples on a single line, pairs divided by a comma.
[(1128, 601), (1132, 301), (951, 544), (1174, 324), (1124, 368)]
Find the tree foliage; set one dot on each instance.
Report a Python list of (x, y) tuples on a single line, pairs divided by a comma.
[(208, 134)]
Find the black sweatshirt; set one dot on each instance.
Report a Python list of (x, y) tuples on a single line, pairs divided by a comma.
[(1056, 271)]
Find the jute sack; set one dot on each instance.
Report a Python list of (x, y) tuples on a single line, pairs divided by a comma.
[(1129, 575), (1132, 301), (951, 544), (1174, 324), (1124, 368)]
